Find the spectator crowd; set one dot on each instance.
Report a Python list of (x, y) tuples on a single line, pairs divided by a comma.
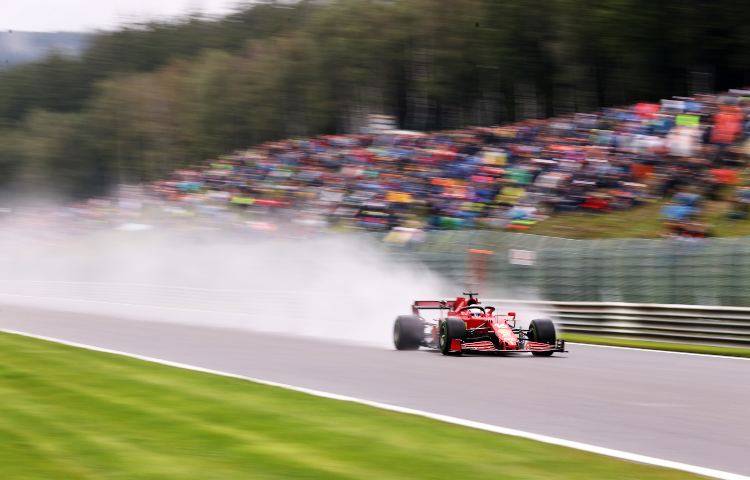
[(685, 151)]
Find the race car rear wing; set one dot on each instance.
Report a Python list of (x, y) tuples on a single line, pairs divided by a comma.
[(431, 305)]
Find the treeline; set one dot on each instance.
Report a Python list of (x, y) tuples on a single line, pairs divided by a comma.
[(147, 99)]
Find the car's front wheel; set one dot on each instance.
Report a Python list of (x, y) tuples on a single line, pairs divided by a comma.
[(450, 329), (542, 330)]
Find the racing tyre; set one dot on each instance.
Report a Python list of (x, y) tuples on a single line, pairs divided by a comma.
[(542, 330), (450, 328), (408, 332)]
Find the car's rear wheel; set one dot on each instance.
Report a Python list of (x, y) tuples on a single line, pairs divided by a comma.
[(542, 330), (408, 332), (450, 329)]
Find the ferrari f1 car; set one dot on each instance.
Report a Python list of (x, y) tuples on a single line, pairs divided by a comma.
[(465, 325)]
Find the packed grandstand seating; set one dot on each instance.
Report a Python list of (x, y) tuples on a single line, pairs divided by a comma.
[(683, 151)]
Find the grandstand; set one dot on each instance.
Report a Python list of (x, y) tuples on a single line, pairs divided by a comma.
[(685, 154)]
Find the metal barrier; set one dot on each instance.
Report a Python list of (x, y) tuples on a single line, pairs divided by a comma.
[(698, 324), (692, 291), (701, 324)]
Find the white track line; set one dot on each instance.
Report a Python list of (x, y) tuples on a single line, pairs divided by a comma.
[(672, 352), (633, 457)]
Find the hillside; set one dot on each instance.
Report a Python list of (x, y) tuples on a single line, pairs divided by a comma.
[(148, 99), (23, 47)]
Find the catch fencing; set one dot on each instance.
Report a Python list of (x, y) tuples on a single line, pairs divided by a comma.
[(662, 271)]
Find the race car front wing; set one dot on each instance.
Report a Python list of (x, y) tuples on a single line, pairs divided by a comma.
[(488, 346)]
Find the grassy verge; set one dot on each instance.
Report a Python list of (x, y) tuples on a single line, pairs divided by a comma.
[(652, 345), (72, 413), (641, 222)]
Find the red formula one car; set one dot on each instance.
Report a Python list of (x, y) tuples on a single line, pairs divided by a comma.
[(465, 325)]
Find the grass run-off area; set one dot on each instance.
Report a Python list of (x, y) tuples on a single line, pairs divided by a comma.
[(72, 413), (640, 222), (655, 345)]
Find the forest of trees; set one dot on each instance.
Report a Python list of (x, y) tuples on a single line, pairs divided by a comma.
[(147, 99)]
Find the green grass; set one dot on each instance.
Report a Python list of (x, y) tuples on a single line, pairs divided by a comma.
[(652, 345), (641, 222), (71, 413)]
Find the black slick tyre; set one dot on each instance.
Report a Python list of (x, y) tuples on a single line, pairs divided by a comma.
[(542, 330), (450, 329), (408, 332)]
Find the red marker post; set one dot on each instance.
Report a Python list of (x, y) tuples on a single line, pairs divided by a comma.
[(478, 265)]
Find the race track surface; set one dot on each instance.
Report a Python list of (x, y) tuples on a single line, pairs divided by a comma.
[(690, 409)]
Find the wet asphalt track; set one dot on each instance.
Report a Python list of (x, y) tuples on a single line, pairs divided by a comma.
[(690, 409)]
